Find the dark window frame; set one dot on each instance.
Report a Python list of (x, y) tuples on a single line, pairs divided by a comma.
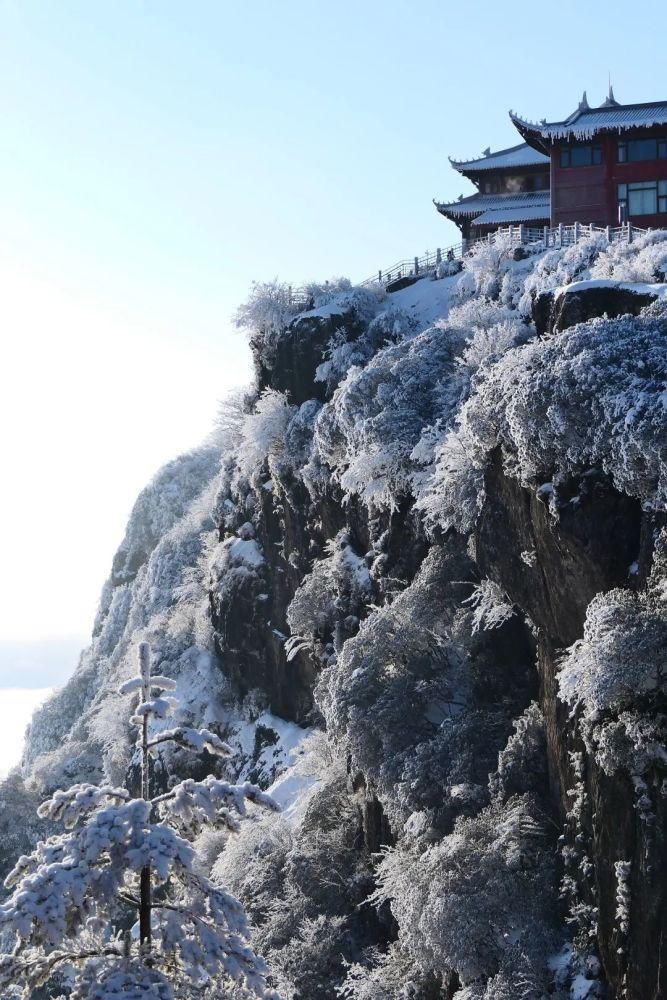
[(566, 155), (625, 148), (660, 186), (662, 197)]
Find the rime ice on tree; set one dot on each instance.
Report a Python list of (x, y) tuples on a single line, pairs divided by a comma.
[(121, 858)]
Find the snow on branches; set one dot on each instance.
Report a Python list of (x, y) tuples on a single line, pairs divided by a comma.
[(621, 655), (263, 431), (68, 898), (366, 434), (339, 586), (79, 800), (492, 606), (592, 398), (475, 901), (191, 804), (193, 739)]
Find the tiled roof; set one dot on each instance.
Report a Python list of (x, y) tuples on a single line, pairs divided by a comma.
[(478, 203), (522, 155), (521, 213), (587, 122)]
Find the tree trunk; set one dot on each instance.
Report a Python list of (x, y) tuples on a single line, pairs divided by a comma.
[(145, 877)]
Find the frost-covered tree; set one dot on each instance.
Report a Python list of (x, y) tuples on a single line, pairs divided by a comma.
[(390, 326), (560, 267), (263, 431), (401, 698), (329, 601), (125, 861), (477, 901), (491, 604), (645, 259), (484, 268), (366, 434), (268, 311), (592, 398)]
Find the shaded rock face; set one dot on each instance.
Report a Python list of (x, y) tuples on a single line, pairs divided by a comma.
[(292, 533), (299, 352), (556, 311), (250, 620), (374, 830), (587, 550), (574, 560)]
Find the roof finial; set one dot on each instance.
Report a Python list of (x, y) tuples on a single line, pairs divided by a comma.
[(487, 151), (583, 103), (610, 101)]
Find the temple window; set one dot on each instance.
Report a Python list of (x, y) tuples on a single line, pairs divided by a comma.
[(632, 150), (643, 198), (580, 156)]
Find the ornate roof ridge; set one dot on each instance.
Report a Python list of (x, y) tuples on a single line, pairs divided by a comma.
[(487, 154), (609, 105)]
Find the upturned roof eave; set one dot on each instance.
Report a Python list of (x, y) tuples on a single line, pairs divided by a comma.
[(542, 135), (480, 164), (530, 133), (454, 211), (476, 203)]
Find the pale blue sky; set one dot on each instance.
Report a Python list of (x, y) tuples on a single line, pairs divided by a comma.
[(156, 157)]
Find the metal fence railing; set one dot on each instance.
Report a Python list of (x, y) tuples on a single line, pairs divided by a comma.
[(534, 237)]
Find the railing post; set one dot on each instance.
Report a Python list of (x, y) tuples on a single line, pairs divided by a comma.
[(629, 232), (380, 277), (608, 234), (591, 229), (438, 256), (511, 232), (416, 266), (545, 237), (577, 232), (522, 234), (560, 234), (289, 292)]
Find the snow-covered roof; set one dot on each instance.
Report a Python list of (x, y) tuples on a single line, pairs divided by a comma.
[(502, 216), (514, 203), (586, 122), (522, 155)]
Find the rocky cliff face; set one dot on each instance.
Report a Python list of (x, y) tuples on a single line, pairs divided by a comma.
[(436, 535), (574, 561), (550, 557)]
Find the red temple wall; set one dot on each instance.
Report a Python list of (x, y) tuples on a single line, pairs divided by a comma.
[(589, 194)]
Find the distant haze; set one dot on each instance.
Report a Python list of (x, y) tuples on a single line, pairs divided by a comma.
[(38, 663), (29, 670), (16, 708)]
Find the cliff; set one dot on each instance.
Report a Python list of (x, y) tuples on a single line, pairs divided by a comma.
[(419, 578)]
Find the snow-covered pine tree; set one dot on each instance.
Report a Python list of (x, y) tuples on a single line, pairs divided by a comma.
[(124, 865)]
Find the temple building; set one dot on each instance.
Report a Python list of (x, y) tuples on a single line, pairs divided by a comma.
[(512, 188), (604, 165)]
